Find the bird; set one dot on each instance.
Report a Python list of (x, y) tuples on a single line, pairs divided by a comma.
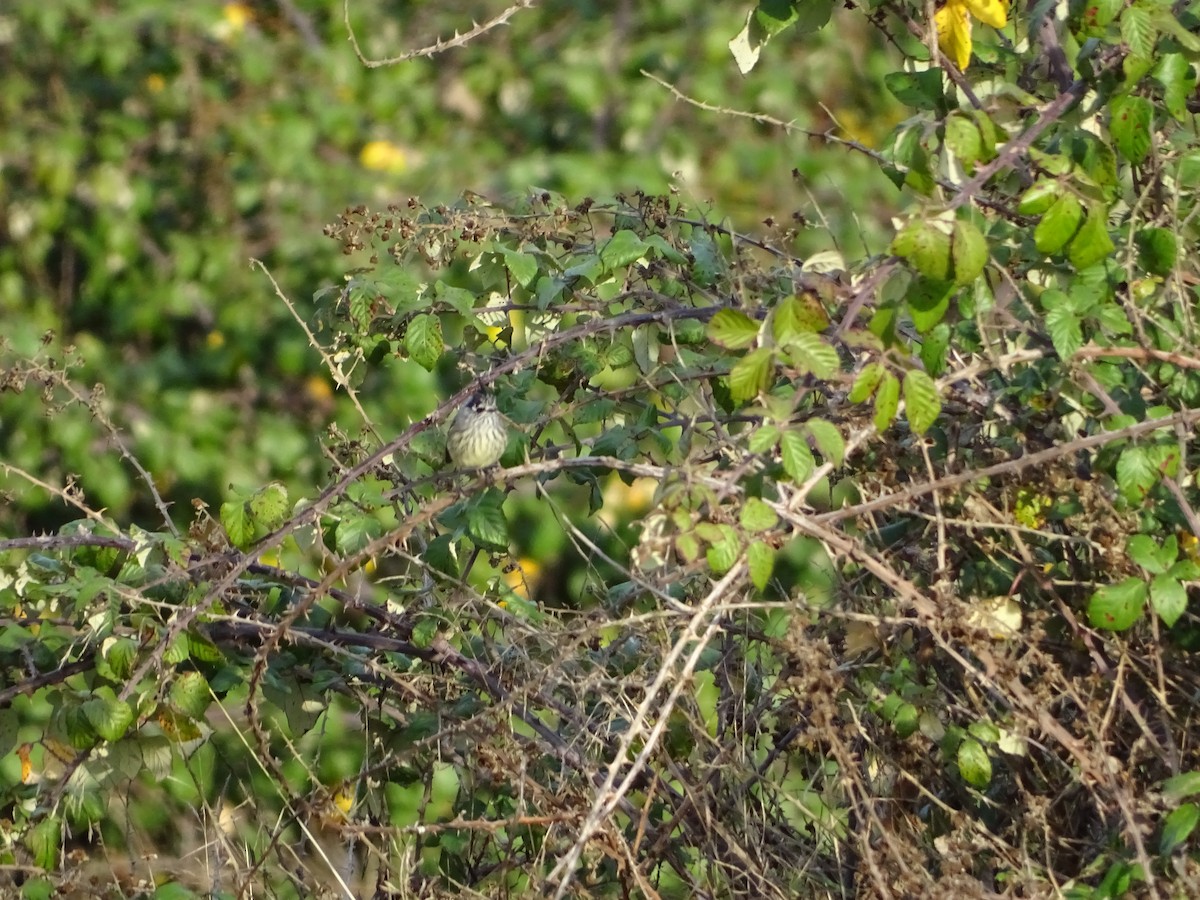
[(478, 435)]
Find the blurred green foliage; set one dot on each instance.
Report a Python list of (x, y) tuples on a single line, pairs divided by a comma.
[(151, 150), (838, 564)]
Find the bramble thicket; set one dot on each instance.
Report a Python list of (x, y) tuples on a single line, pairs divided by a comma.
[(845, 538)]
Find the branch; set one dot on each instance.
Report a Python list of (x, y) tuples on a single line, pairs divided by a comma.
[(459, 40)]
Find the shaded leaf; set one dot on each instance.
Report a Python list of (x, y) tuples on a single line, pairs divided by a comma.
[(866, 382), (1058, 225), (760, 559), (1178, 827), (1129, 123), (887, 401), (974, 764), (921, 400), (798, 460), (751, 375)]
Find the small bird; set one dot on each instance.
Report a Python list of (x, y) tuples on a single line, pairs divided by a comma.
[(478, 435)]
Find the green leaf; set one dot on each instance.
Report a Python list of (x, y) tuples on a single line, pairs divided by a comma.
[(760, 559), (723, 552), (178, 651), (1136, 473), (796, 316), (964, 140), (1165, 21), (423, 633), (1138, 31), (522, 266), (866, 382), (732, 329), (926, 246), (190, 694), (1040, 197), (355, 531), (688, 546), (810, 353), (785, 320), (904, 716), (1058, 225), (1092, 243), (920, 90), (797, 458), (1099, 13), (461, 301), (486, 524), (1185, 570), (828, 440), (109, 716), (757, 515), (974, 764), (201, 648), (423, 340), (707, 262), (988, 133), (887, 401), (1116, 607), (1169, 598), (921, 401), (235, 519), (928, 302), (1178, 80), (1134, 68), (44, 841), (1183, 785), (173, 890), (622, 249), (807, 15), (751, 375), (1178, 827), (121, 656), (764, 438), (659, 243), (969, 251), (1146, 552), (269, 506), (886, 315), (1157, 250), (933, 349), (1130, 123), (1113, 319), (1065, 330), (910, 161), (439, 555)]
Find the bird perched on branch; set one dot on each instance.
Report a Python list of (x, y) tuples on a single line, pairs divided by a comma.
[(478, 435)]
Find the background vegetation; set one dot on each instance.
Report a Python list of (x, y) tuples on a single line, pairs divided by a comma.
[(845, 539)]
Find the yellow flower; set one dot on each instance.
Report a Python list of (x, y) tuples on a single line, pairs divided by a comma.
[(238, 15), (523, 577), (235, 17), (383, 156), (954, 25)]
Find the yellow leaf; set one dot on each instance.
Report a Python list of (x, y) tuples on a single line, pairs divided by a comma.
[(954, 32), (383, 156), (989, 12), (999, 616)]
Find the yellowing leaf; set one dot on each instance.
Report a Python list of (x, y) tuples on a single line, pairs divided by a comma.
[(954, 32), (999, 616), (989, 12)]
